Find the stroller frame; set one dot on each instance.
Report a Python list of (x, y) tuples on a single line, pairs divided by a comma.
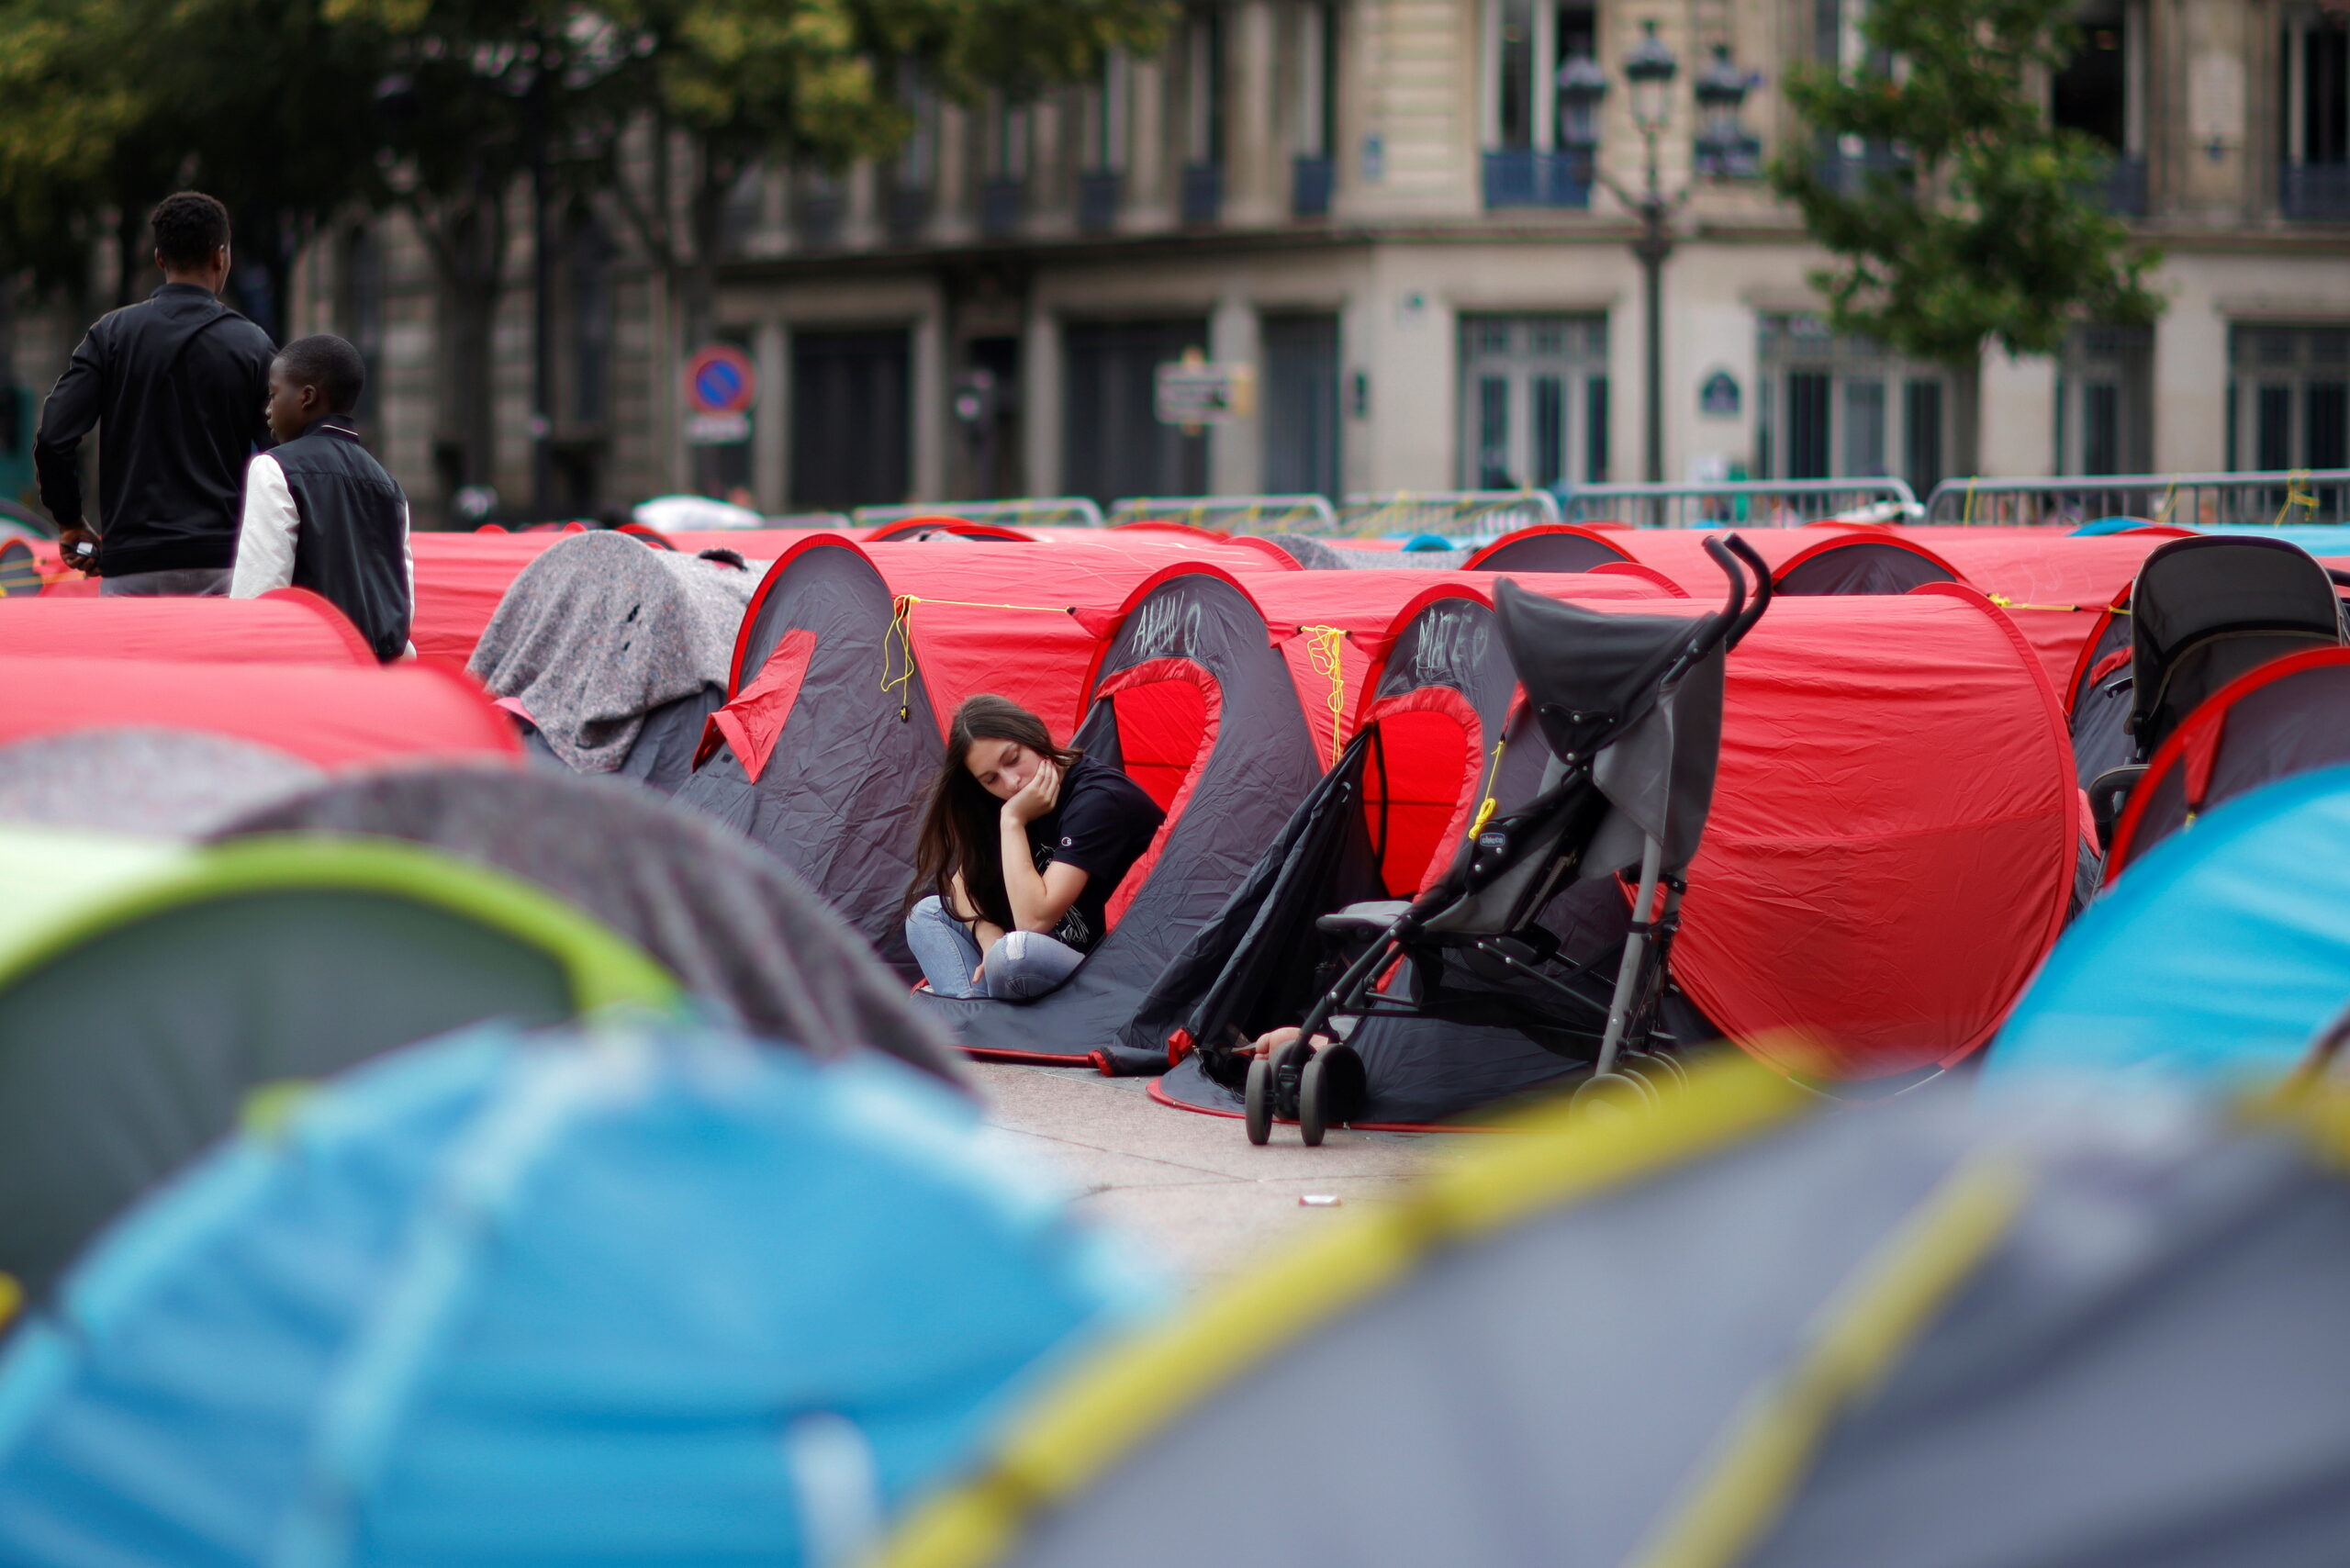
[(1561, 820)]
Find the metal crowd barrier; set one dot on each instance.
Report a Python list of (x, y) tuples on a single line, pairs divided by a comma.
[(1454, 513), (1238, 514), (1039, 511), (1744, 503), (2270, 496)]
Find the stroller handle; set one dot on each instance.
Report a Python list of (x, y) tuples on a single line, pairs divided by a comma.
[(1763, 588), (1719, 626)]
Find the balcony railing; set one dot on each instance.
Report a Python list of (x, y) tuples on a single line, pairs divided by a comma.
[(2319, 191), (1520, 176), (2124, 189), (1309, 188), (1098, 193), (1203, 192), (907, 209), (1002, 201)]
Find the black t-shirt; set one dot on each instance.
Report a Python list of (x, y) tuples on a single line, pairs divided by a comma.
[(1103, 825)]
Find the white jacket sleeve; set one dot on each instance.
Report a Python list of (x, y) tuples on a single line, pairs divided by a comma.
[(265, 538)]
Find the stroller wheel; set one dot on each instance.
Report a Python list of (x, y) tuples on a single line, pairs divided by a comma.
[(1652, 1074), (1673, 1075), (1612, 1096), (1330, 1090), (1261, 1100)]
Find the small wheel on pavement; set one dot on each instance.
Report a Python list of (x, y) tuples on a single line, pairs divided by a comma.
[(1261, 1100), (1310, 1105)]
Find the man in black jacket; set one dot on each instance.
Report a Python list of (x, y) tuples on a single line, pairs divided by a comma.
[(177, 384)]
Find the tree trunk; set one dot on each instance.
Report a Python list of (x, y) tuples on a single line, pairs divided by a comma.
[(1966, 419)]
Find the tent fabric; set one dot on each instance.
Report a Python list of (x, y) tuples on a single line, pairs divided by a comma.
[(1893, 838), (2054, 589), (840, 791), (2288, 716), (738, 929), (136, 1019), (405, 1329), (1546, 547), (287, 625), (1252, 761), (1926, 1336), (170, 783), (2218, 958), (332, 716), (600, 631), (1860, 563), (460, 580)]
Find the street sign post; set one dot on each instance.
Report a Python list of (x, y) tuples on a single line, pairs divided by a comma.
[(1191, 392), (721, 389)]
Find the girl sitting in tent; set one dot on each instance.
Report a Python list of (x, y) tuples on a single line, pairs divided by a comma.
[(1022, 846)]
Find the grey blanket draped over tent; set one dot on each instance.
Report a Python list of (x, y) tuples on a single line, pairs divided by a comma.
[(600, 630)]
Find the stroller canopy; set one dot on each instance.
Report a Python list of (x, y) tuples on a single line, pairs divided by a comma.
[(2220, 956), (406, 1325), (1892, 845), (615, 654), (1194, 703), (332, 716), (738, 929), (1738, 1334), (2205, 610), (2291, 715), (142, 998), (286, 626), (850, 665)]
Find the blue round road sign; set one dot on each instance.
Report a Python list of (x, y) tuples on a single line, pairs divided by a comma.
[(719, 380)]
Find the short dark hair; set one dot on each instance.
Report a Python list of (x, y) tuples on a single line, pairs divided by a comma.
[(189, 226), (329, 364)]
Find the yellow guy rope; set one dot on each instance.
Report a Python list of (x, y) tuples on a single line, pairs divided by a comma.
[(2297, 493), (898, 642), (1323, 643), (1486, 807), (2004, 602)]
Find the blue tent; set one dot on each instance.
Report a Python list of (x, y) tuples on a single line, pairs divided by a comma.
[(2215, 959), (647, 1296)]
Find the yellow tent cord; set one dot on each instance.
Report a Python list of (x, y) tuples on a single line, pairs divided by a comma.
[(1486, 807), (1967, 516), (1867, 1328), (2162, 513), (2297, 493), (1324, 647), (898, 642), (2004, 602)]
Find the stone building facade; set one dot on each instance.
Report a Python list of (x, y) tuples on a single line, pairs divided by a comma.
[(1373, 204)]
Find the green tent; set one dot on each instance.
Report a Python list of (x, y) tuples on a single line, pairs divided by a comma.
[(146, 991), (1750, 1331)]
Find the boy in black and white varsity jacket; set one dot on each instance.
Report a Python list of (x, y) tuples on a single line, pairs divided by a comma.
[(320, 513)]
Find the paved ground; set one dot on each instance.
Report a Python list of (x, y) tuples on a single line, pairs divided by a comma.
[(1192, 1186)]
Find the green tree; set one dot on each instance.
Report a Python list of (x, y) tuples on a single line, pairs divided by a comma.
[(1970, 219)]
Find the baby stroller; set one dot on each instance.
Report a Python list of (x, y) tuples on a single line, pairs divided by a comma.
[(1629, 707), (2202, 611)]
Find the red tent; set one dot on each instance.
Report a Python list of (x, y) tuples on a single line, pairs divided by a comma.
[(290, 625), (335, 716), (2054, 586), (460, 578), (1893, 838)]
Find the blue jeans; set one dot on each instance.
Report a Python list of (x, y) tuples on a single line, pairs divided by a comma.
[(1023, 967)]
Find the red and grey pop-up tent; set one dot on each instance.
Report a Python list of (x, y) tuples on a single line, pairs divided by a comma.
[(1191, 699), (288, 626), (335, 716), (850, 665)]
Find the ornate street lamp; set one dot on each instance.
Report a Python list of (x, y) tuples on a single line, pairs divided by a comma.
[(1649, 68), (1724, 148), (1582, 88)]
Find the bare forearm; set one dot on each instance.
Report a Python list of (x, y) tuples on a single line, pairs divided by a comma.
[(1023, 885)]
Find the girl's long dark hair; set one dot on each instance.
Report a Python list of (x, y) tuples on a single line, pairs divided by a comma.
[(961, 829)]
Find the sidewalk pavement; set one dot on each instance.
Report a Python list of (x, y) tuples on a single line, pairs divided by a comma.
[(1192, 1187)]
